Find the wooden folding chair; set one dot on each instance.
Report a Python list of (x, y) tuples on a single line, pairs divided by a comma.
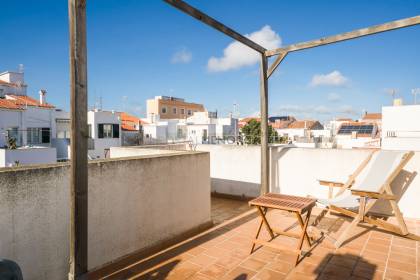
[(373, 182)]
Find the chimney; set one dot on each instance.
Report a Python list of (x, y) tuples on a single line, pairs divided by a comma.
[(43, 97)]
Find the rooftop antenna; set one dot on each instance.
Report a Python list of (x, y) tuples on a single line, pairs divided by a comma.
[(21, 69), (392, 92), (236, 110), (414, 92)]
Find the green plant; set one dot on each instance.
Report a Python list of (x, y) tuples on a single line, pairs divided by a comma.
[(11, 143), (252, 133)]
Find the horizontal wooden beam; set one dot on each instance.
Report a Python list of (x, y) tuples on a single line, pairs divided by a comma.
[(348, 35), (184, 7)]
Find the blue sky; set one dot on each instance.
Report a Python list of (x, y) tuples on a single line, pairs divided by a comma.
[(138, 49)]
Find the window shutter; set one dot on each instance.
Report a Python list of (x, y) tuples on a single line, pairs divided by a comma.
[(100, 130), (116, 131)]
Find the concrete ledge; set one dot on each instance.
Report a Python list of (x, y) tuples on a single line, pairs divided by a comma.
[(134, 204)]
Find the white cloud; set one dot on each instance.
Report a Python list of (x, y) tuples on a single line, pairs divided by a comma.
[(182, 56), (335, 78), (333, 97), (237, 55)]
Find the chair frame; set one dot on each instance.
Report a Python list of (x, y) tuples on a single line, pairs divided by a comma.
[(385, 193)]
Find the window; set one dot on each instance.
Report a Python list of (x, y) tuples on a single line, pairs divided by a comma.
[(182, 111), (90, 130), (164, 110), (174, 110), (36, 135), (45, 135), (108, 130), (13, 133), (189, 113)]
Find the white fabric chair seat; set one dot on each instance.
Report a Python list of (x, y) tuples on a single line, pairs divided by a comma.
[(344, 200)]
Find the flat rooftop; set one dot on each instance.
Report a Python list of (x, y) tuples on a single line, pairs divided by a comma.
[(223, 252)]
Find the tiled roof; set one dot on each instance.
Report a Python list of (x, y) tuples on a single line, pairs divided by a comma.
[(9, 104), (372, 116), (25, 100), (128, 122), (280, 124), (309, 124)]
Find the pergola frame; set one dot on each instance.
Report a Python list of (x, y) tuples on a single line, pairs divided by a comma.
[(79, 108)]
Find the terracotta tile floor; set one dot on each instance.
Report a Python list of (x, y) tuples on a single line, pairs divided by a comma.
[(223, 253)]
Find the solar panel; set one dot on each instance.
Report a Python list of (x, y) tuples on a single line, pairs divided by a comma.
[(361, 129)]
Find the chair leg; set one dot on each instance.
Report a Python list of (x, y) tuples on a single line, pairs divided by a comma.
[(346, 232), (397, 212)]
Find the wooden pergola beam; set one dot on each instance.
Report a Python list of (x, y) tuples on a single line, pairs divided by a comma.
[(184, 7), (276, 63), (347, 36), (79, 134)]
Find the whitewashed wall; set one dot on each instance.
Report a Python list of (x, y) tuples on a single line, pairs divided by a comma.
[(27, 156), (235, 170), (133, 204), (104, 117)]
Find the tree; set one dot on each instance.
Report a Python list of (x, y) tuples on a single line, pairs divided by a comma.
[(252, 133)]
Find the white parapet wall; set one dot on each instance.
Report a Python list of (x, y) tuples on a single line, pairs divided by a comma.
[(120, 152), (235, 170), (27, 155), (134, 204)]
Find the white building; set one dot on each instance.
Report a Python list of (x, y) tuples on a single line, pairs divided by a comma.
[(12, 83), (201, 127), (104, 132), (207, 128), (27, 122), (301, 129), (401, 127)]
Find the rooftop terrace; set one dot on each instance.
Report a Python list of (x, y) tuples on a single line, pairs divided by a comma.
[(223, 252), (143, 225)]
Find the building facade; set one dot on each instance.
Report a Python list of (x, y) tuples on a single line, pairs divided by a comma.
[(104, 132), (165, 107), (401, 127)]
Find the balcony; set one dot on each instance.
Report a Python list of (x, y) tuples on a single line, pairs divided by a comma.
[(152, 216)]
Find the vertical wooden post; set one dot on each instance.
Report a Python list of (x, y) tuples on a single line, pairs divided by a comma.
[(79, 132), (265, 161)]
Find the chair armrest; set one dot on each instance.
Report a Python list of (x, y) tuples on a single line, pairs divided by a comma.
[(329, 183), (375, 195)]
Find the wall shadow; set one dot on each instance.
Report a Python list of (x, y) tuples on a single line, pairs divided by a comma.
[(138, 263)]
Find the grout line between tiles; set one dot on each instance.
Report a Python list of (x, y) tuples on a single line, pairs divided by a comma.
[(387, 257)]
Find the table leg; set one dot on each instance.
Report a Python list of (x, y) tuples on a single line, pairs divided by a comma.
[(302, 224), (267, 225), (302, 236), (262, 212)]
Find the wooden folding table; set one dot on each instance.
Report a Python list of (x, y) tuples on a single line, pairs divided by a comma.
[(295, 204)]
